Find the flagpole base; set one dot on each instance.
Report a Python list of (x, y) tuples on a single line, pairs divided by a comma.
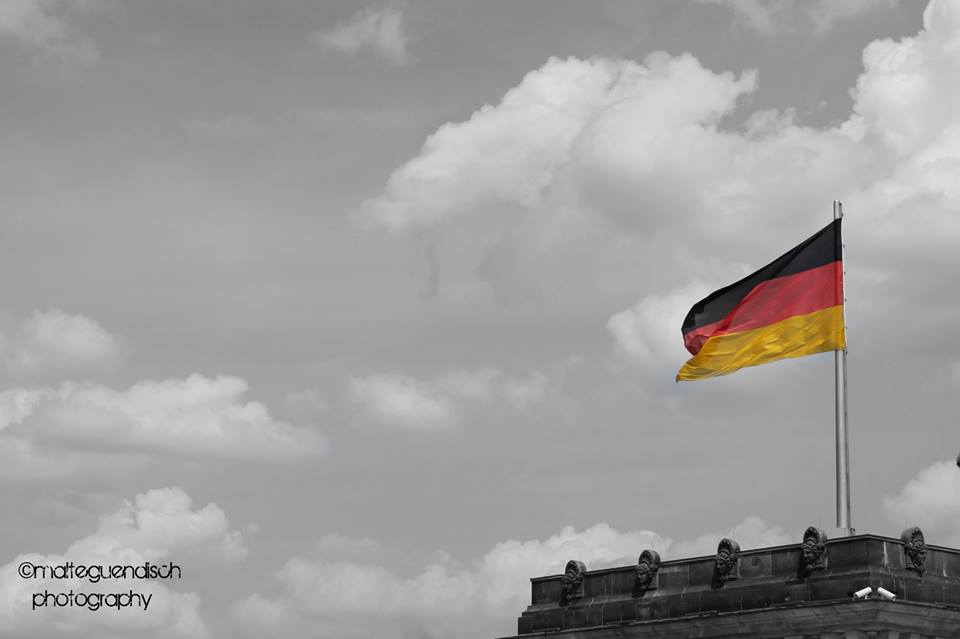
[(844, 531)]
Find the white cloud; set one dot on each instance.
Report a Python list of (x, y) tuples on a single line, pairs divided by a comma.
[(159, 526), (401, 400), (77, 427), (649, 331), (512, 152), (162, 522), (491, 590), (906, 110), (53, 345), (380, 30), (193, 417), (411, 402), (931, 500), (579, 175), (45, 26), (906, 95)]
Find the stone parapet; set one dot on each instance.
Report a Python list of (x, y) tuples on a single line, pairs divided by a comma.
[(800, 590)]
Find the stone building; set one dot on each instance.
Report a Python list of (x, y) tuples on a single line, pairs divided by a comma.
[(853, 587)]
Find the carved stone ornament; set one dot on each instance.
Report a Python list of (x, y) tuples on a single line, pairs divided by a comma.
[(572, 579), (914, 549), (727, 562), (813, 551), (647, 567)]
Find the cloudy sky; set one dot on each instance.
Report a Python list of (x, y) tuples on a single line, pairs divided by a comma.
[(363, 314)]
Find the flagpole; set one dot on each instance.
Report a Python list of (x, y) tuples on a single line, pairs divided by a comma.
[(843, 453)]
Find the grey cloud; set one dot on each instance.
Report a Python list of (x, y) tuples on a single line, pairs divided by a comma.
[(380, 30), (45, 26), (776, 17), (52, 345)]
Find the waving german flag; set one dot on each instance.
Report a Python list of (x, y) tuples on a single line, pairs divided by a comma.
[(790, 308)]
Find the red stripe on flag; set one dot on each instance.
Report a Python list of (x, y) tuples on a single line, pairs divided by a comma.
[(775, 300)]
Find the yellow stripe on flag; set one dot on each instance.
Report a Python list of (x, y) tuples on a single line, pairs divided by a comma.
[(793, 337)]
